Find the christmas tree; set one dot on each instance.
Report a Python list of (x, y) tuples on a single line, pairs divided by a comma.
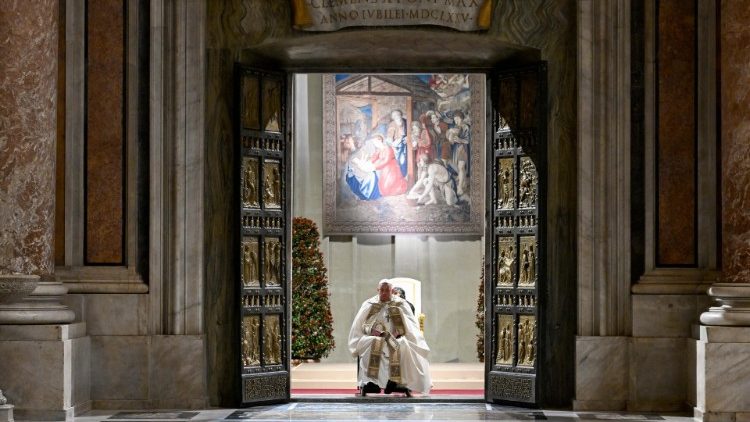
[(480, 317), (312, 322)]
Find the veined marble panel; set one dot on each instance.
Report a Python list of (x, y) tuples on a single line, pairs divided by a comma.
[(116, 314), (177, 369), (657, 374), (28, 77), (119, 367), (735, 130), (665, 315), (602, 371), (727, 377)]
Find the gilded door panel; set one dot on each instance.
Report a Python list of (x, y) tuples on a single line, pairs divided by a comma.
[(250, 173), (272, 184), (272, 98), (515, 236), (251, 340), (250, 262), (505, 340), (272, 262), (263, 204)]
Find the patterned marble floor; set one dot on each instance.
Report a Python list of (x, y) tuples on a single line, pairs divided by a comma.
[(395, 411)]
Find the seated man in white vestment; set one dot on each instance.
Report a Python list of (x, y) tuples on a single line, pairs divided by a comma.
[(392, 351)]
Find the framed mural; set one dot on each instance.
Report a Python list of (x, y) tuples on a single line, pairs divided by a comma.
[(403, 153)]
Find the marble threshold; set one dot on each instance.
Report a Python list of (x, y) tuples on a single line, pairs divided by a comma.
[(394, 410)]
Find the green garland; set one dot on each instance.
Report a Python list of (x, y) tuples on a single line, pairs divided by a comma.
[(312, 322)]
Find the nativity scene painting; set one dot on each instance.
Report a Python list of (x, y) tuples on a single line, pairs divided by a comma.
[(403, 153)]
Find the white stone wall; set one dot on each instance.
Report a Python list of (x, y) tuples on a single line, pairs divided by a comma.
[(447, 266)]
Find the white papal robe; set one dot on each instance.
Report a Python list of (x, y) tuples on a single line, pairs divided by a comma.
[(410, 368)]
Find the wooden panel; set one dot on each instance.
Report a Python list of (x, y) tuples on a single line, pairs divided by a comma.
[(676, 159), (105, 131)]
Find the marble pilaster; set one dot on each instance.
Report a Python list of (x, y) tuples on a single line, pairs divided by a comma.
[(733, 293), (28, 74), (722, 344), (603, 228)]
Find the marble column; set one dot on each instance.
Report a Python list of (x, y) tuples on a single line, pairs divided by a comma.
[(722, 343), (733, 292), (28, 77)]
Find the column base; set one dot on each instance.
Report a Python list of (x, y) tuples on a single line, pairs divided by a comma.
[(6, 413), (46, 370), (734, 305), (722, 373), (40, 307)]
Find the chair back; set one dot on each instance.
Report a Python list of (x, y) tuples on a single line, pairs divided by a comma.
[(413, 289)]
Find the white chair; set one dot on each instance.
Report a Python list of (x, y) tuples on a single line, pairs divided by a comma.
[(413, 289)]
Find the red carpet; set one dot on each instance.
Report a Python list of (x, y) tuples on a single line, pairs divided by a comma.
[(354, 391)]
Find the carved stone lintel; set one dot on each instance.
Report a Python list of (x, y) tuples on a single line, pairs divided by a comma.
[(733, 305)]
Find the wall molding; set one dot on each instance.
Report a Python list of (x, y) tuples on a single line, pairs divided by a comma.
[(661, 280), (77, 277), (177, 92), (603, 168)]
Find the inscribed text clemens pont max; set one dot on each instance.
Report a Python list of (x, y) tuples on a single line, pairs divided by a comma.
[(331, 15)]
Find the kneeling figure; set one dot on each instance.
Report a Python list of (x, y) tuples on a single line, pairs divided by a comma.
[(392, 350)]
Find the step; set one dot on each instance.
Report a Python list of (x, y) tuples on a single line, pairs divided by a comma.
[(445, 376), (446, 384)]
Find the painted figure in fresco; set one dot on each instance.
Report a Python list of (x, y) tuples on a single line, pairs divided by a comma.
[(396, 138), (393, 353), (437, 129), (460, 145), (422, 139), (347, 146), (390, 180), (459, 160), (434, 180), (361, 176)]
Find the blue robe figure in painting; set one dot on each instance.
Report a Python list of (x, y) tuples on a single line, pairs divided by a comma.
[(359, 173), (396, 138)]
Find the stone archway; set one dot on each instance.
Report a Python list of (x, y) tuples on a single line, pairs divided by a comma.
[(410, 49)]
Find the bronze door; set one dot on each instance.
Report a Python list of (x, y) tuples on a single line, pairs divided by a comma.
[(264, 235), (515, 235)]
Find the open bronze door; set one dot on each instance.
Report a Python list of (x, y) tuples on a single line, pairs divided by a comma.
[(264, 238), (515, 236)]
